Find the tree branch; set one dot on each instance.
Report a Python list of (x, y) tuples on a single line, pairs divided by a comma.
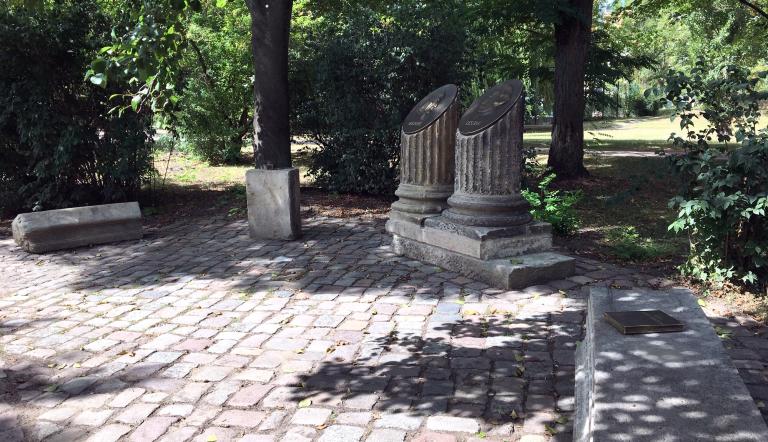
[(201, 60), (755, 7)]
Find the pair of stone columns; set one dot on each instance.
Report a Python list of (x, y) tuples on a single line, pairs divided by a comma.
[(460, 205), (472, 169)]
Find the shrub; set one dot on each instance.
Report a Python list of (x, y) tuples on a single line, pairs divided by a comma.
[(554, 207), (59, 146), (722, 206), (357, 75), (216, 108)]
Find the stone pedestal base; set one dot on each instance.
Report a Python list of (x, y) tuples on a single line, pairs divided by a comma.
[(273, 203), (509, 258), (418, 203)]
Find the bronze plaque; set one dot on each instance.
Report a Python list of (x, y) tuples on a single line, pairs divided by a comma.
[(643, 321), (490, 107), (429, 109)]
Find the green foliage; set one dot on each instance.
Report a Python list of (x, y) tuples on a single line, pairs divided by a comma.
[(627, 243), (355, 75), (147, 55), (58, 145), (722, 207), (215, 113), (553, 206)]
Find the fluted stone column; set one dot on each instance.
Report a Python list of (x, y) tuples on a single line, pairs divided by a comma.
[(489, 144), (426, 160)]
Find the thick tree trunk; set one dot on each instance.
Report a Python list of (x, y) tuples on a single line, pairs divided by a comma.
[(572, 34), (270, 25)]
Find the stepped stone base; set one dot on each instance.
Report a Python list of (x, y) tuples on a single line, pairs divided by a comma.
[(525, 265), (477, 242), (659, 387), (40, 232)]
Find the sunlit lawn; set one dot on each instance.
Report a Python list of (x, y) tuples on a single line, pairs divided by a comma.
[(645, 133)]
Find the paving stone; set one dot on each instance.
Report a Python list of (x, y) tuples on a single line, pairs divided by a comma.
[(430, 436), (136, 413), (341, 433), (249, 396), (386, 435), (58, 414), (398, 421), (311, 416), (211, 373), (299, 434), (109, 433), (240, 418), (453, 424), (151, 429), (92, 418), (273, 421)]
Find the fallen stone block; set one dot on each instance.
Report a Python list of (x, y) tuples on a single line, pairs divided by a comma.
[(40, 232), (662, 386)]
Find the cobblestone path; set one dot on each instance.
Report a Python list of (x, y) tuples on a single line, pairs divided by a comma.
[(199, 333)]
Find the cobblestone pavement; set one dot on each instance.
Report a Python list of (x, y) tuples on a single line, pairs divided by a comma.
[(199, 333)]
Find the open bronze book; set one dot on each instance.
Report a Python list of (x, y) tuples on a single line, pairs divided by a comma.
[(635, 322)]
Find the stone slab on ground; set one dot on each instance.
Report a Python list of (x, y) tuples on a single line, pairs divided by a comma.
[(49, 230), (508, 273), (659, 387), (273, 203)]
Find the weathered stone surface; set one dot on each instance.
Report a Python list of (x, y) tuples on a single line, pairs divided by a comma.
[(426, 159), (478, 242), (273, 203), (488, 176), (659, 387), (510, 273), (40, 232)]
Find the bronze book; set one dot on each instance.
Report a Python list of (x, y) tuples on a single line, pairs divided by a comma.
[(650, 321)]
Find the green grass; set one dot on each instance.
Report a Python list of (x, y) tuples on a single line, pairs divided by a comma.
[(624, 210)]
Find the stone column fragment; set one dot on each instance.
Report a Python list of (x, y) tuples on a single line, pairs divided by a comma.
[(489, 145), (427, 156)]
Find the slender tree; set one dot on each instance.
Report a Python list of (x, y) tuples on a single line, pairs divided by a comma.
[(572, 36)]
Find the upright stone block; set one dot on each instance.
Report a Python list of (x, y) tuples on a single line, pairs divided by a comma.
[(273, 203), (426, 160), (40, 232)]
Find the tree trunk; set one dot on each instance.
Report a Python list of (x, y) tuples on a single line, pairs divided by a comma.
[(270, 25), (572, 34)]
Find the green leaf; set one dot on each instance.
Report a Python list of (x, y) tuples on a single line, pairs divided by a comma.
[(305, 403), (221, 3), (135, 102), (99, 79)]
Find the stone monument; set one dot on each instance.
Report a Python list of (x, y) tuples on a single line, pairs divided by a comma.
[(487, 231), (426, 156)]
